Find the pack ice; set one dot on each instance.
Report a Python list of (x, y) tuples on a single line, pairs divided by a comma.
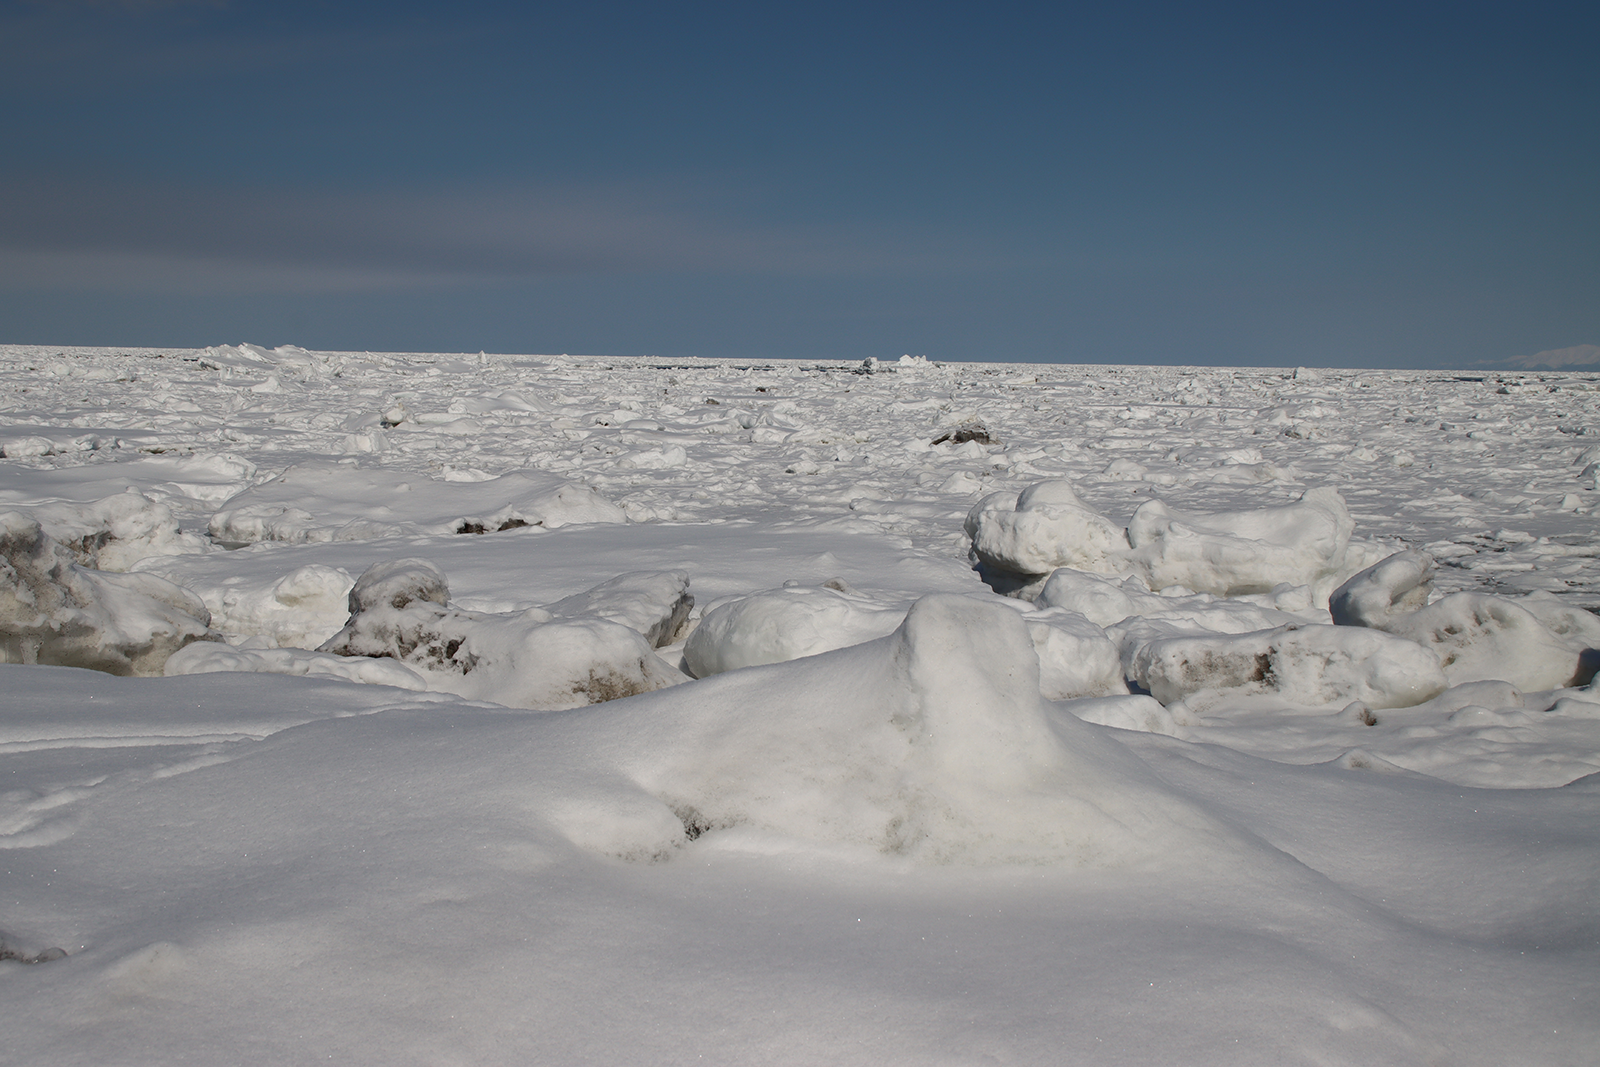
[(809, 712)]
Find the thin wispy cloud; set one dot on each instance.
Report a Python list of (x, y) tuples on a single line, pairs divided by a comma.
[(169, 237)]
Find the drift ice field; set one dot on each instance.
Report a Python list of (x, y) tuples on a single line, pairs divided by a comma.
[(471, 709)]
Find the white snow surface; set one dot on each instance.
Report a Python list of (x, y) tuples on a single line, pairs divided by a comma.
[(1274, 740)]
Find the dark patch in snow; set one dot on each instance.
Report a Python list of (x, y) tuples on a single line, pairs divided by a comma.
[(469, 526), (971, 431)]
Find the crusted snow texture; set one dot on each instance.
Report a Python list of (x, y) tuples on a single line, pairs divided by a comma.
[(54, 611), (527, 659), (210, 657), (1311, 665), (325, 501), (655, 603), (1479, 637), (932, 742), (779, 625), (1397, 585), (1041, 528), (1235, 552), (115, 532)]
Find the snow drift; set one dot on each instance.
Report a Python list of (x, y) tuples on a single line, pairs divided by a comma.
[(323, 501)]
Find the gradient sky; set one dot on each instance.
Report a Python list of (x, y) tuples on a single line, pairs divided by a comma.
[(1396, 184)]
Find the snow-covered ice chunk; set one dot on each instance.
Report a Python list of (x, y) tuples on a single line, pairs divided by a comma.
[(784, 624), (1041, 528), (115, 532), (397, 583), (1076, 658), (528, 659), (1104, 601), (932, 743), (1578, 628), (300, 609), (655, 603), (1310, 665), (1397, 585), (1234, 552), (1479, 637), (347, 502), (53, 611)]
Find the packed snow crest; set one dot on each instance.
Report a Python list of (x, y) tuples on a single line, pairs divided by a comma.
[(932, 743)]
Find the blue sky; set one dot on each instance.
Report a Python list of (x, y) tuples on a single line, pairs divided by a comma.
[(1354, 185)]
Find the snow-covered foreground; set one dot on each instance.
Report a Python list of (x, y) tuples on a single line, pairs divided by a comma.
[(672, 719)]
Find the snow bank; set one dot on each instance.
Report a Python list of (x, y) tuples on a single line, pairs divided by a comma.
[(931, 743), (530, 659), (324, 501), (1310, 665), (54, 611), (654, 603)]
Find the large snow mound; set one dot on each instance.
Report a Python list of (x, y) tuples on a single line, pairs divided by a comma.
[(323, 501), (932, 743), (1396, 585), (1534, 643)]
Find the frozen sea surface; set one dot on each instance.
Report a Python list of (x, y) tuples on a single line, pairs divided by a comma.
[(883, 845)]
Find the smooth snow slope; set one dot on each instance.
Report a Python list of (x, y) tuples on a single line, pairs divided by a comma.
[(894, 851)]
